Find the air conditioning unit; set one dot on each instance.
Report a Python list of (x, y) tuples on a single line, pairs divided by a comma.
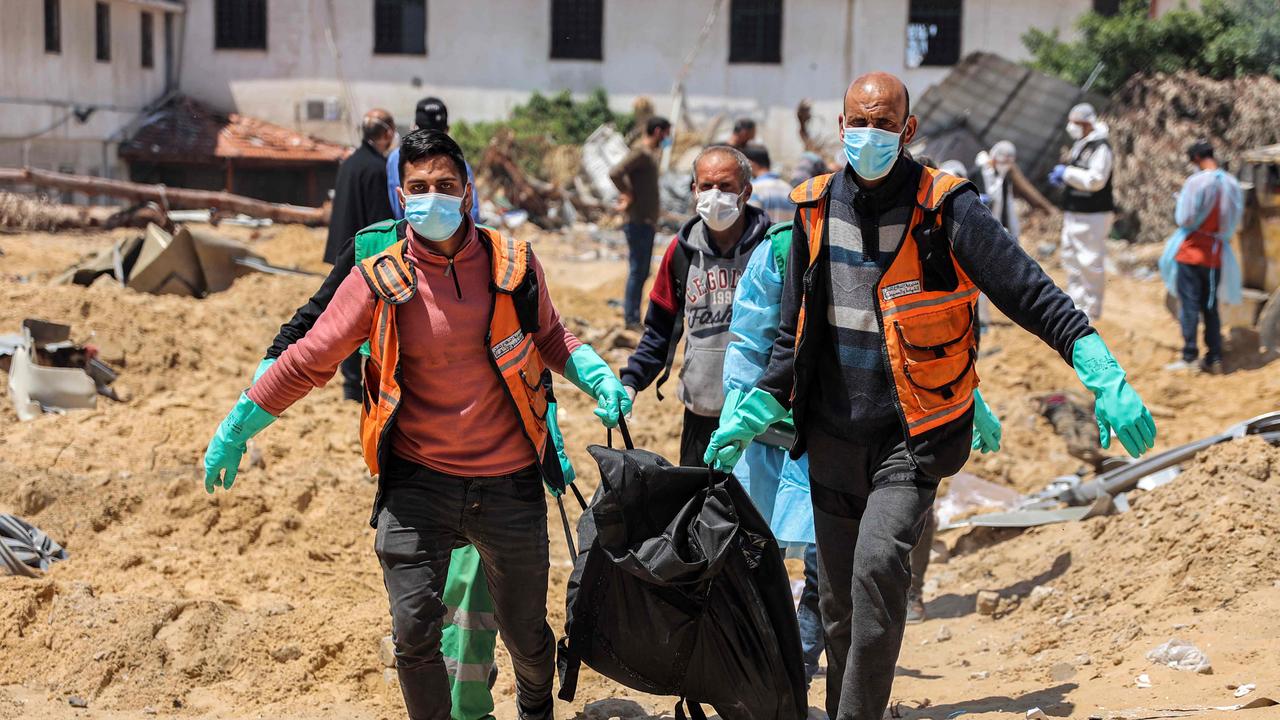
[(325, 109)]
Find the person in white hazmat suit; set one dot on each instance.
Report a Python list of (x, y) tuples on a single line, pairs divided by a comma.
[(1088, 208)]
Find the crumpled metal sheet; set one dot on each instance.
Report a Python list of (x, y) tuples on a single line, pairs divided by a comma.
[(25, 548)]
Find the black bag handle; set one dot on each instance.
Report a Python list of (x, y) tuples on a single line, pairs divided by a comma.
[(626, 435)]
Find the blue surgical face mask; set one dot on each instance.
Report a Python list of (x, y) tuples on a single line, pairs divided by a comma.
[(434, 216), (871, 151), (666, 142)]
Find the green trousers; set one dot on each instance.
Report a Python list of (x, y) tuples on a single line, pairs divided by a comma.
[(470, 636)]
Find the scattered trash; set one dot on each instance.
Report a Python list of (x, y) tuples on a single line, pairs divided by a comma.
[(988, 602), (979, 675), (76, 701), (1181, 655), (1142, 681), (1036, 713), (944, 634), (1242, 690), (25, 548), (968, 493), (187, 262), (1162, 477), (387, 651), (50, 373)]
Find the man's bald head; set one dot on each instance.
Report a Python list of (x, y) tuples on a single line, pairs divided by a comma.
[(882, 93), (378, 125), (878, 100)]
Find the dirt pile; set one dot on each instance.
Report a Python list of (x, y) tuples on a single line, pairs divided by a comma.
[(1154, 118), (268, 601)]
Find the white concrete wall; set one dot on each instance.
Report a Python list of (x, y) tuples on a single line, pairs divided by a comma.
[(27, 72), (485, 56)]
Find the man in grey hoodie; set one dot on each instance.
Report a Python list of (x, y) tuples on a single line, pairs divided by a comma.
[(693, 294)]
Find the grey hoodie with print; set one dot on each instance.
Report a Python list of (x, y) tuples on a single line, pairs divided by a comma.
[(698, 305)]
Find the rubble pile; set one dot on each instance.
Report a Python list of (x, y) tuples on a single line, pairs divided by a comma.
[(1154, 118)]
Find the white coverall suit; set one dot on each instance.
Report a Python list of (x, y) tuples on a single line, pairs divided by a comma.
[(1084, 234)]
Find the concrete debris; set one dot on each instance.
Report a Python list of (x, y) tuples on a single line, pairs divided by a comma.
[(944, 634), (1039, 594), (190, 262), (1143, 681), (76, 701), (988, 602), (286, 653), (50, 373)]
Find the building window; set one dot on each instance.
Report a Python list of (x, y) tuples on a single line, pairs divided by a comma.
[(102, 31), (400, 27), (148, 41), (577, 29), (53, 26), (933, 33), (1106, 8), (240, 25), (755, 31)]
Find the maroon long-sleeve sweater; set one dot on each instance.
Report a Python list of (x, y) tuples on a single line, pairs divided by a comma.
[(454, 414)]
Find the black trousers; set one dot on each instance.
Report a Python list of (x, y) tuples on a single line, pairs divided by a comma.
[(695, 436), (423, 515), (870, 504)]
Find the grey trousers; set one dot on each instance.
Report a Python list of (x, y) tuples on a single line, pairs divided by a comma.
[(422, 516), (869, 509)]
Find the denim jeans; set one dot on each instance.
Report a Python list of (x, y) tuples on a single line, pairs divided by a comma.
[(423, 515), (1195, 299), (864, 543), (809, 617), (640, 259)]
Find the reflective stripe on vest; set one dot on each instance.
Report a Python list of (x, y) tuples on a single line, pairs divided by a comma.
[(929, 335), (391, 277)]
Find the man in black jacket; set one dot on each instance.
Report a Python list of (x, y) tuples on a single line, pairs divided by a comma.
[(875, 357), (359, 200)]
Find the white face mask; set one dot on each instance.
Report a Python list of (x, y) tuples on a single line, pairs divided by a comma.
[(718, 209), (1002, 167), (1075, 130)]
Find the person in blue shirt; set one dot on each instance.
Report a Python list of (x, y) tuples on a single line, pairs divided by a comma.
[(430, 114), (768, 191)]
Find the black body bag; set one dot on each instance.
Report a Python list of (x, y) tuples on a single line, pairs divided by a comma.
[(680, 590)]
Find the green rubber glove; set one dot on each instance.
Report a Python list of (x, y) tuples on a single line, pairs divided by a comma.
[(244, 421), (566, 467), (592, 376), (753, 415), (732, 400), (986, 426), (1117, 406), (262, 368)]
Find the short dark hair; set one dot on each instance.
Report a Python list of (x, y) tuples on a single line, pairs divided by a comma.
[(431, 114), (744, 124), (657, 122), (1200, 150), (422, 144), (757, 154)]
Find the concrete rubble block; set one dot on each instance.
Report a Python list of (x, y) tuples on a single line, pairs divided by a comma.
[(988, 602)]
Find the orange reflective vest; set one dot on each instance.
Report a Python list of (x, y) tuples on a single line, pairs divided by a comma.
[(513, 320), (927, 307)]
